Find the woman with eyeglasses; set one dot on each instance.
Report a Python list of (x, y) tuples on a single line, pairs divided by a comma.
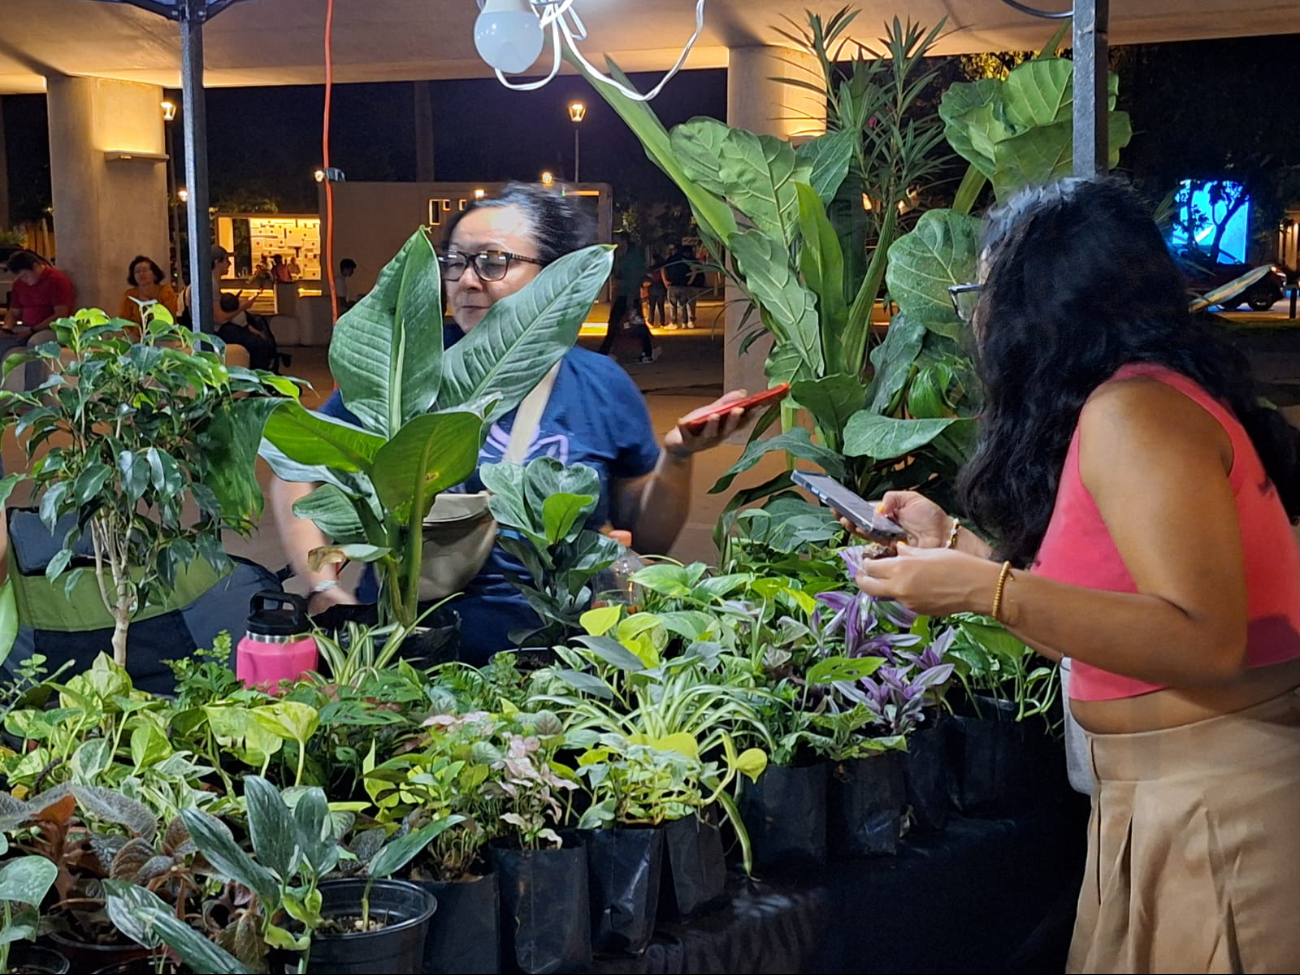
[(595, 416), (1139, 500)]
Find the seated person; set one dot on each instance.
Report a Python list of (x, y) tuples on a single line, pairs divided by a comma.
[(248, 330), (148, 287)]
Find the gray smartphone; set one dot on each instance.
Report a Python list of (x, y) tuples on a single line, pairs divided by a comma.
[(856, 509)]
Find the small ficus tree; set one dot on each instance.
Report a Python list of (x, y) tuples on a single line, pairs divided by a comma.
[(123, 435)]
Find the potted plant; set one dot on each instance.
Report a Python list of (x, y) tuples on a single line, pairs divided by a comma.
[(543, 875), (542, 509), (24, 883), (446, 777), (144, 430), (422, 410)]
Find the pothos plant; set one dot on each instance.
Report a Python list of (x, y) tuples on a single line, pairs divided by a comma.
[(422, 411), (122, 437)]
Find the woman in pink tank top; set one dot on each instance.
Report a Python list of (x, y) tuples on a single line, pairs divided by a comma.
[(1140, 503)]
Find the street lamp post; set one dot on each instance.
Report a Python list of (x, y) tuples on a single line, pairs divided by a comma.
[(577, 112)]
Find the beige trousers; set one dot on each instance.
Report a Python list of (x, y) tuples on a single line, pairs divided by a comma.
[(1194, 848)]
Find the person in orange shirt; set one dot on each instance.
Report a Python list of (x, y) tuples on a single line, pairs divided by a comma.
[(148, 287)]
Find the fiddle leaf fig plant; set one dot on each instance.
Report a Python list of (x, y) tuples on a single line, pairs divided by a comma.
[(421, 410), (542, 509), (136, 431)]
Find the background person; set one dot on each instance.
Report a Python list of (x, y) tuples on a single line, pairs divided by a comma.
[(677, 276), (595, 416), (41, 295), (342, 284), (1141, 500), (148, 287)]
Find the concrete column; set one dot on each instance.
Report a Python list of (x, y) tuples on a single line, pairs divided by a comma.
[(4, 174), (758, 102), (108, 173)]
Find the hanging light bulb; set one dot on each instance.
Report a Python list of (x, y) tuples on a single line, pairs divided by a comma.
[(508, 35)]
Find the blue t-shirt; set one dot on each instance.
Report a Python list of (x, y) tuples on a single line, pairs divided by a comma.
[(596, 416)]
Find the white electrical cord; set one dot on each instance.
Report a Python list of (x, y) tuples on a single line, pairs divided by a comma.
[(559, 16)]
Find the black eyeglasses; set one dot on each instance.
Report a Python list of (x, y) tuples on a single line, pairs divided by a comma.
[(488, 265), (964, 298)]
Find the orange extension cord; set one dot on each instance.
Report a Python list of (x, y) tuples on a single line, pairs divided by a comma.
[(325, 160)]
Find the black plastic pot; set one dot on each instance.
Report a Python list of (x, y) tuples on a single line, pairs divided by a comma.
[(624, 869), (1001, 766), (436, 642), (146, 964), (785, 815), (925, 776), (866, 806), (697, 869), (92, 957), (465, 935), (36, 959), (545, 911), (397, 948)]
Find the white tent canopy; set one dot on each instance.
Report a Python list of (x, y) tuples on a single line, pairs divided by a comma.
[(278, 42)]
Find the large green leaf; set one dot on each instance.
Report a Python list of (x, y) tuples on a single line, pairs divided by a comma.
[(317, 440), (1046, 154), (333, 512), (231, 452), (271, 827), (884, 438), (787, 306), (828, 157), (1039, 92), (760, 172), (431, 453), (797, 442), (523, 335), (386, 350), (712, 213), (401, 850), (215, 841), (822, 264), (832, 400), (973, 121), (26, 880), (942, 251), (8, 623), (893, 360), (697, 145)]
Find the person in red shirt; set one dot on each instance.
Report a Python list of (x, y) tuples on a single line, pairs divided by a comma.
[(41, 294)]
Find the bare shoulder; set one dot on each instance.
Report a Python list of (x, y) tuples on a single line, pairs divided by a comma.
[(1146, 414)]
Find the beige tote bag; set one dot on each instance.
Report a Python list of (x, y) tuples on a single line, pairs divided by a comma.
[(459, 530)]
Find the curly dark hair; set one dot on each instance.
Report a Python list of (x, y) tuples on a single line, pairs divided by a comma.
[(158, 276), (559, 224), (1080, 282)]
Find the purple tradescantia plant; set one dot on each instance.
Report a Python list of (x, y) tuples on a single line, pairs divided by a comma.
[(900, 616)]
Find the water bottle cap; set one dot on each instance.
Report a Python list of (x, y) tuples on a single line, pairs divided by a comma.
[(624, 538), (277, 614)]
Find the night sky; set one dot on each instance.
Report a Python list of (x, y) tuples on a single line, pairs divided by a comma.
[(265, 142)]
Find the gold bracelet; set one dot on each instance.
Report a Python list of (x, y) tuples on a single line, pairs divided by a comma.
[(1003, 576), (956, 530)]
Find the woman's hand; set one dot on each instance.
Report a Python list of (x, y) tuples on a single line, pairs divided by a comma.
[(927, 525), (681, 441), (932, 581), (319, 602)]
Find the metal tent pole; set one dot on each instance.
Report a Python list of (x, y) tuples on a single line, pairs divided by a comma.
[(192, 14), (1091, 87)]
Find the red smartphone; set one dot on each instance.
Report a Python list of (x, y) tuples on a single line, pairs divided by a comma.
[(696, 424)]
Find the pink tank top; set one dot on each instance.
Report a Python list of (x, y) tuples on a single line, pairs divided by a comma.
[(1077, 549)]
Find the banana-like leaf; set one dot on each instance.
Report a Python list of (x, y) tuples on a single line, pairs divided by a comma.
[(317, 440), (884, 438), (828, 157), (787, 306), (524, 334), (822, 264), (334, 513), (386, 351), (234, 437), (713, 214), (798, 443), (431, 453), (698, 147), (832, 400), (942, 251)]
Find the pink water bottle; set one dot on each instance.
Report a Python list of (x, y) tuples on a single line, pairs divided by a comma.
[(277, 646)]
